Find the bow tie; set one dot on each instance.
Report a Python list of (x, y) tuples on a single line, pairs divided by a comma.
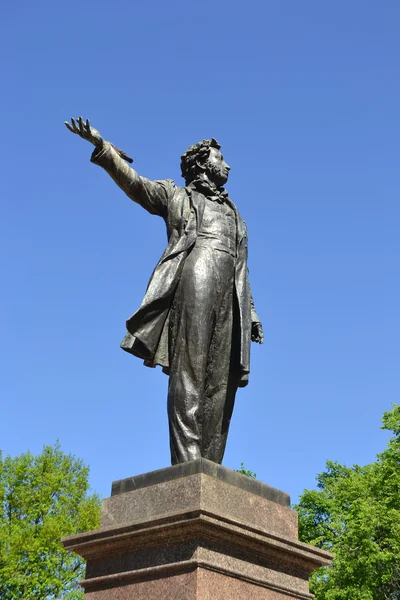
[(216, 194)]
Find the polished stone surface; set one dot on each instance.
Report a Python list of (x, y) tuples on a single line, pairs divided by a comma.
[(195, 536), (201, 486), (201, 466)]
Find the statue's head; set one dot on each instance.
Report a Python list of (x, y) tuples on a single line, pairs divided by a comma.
[(204, 160)]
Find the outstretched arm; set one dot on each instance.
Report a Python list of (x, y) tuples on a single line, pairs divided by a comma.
[(152, 195)]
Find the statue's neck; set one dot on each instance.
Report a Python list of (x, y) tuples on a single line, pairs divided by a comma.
[(203, 179), (203, 183)]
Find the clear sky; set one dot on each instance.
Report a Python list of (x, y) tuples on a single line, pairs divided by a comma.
[(304, 98)]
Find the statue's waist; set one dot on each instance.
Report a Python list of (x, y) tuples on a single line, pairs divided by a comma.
[(223, 244)]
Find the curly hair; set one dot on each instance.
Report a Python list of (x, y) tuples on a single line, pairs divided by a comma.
[(199, 151)]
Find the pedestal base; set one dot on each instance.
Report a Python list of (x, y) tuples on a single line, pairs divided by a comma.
[(196, 531)]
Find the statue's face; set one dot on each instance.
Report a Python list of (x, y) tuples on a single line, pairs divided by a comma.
[(216, 168)]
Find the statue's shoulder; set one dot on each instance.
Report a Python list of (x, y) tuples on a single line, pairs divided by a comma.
[(171, 188), (168, 184), (178, 199)]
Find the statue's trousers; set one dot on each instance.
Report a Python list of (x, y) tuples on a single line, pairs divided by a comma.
[(203, 373)]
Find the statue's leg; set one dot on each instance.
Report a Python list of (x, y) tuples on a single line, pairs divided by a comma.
[(222, 374), (192, 321)]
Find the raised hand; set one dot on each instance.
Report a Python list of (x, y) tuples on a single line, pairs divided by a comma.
[(257, 334), (85, 131), (89, 133)]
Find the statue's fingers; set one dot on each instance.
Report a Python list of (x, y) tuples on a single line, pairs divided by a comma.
[(80, 121), (88, 125), (74, 125), (69, 126)]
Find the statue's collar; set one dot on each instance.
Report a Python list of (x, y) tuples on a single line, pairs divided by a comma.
[(208, 190)]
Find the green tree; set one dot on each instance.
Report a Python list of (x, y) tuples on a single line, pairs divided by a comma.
[(355, 513), (244, 471), (42, 499)]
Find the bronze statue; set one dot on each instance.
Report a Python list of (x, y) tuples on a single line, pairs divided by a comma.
[(197, 317)]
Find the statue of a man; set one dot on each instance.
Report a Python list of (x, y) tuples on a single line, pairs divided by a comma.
[(197, 318)]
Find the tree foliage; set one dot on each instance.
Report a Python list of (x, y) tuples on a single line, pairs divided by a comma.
[(244, 471), (355, 513), (42, 499)]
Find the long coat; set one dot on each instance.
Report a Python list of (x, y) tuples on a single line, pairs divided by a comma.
[(182, 209)]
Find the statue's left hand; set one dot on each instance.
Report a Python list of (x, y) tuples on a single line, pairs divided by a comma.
[(257, 334), (85, 131)]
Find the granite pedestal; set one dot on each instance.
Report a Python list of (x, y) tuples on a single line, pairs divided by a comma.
[(196, 531)]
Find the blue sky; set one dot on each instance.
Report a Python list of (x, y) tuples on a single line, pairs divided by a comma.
[(304, 98)]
